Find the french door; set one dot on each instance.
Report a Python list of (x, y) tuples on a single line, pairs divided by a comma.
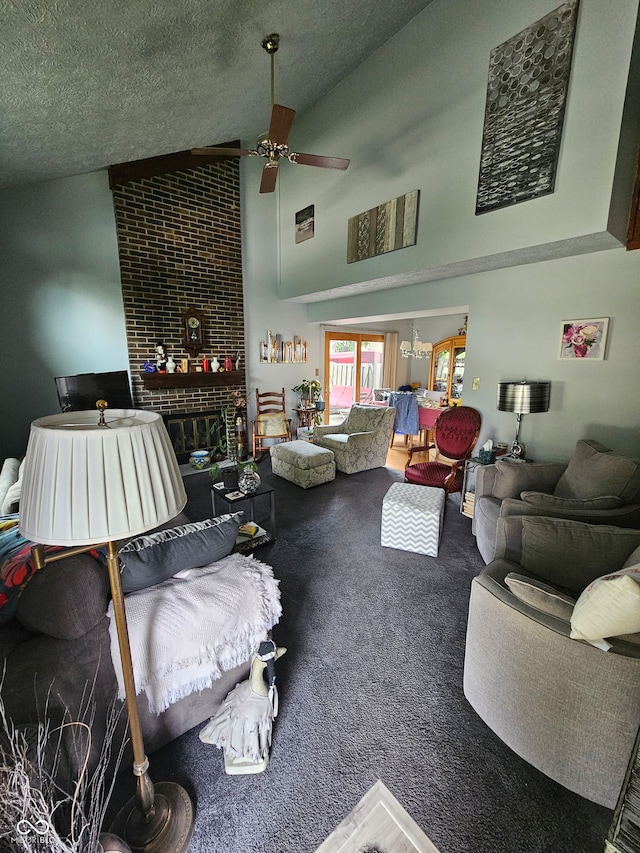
[(352, 369)]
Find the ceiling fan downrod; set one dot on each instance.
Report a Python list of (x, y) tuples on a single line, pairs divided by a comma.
[(271, 44)]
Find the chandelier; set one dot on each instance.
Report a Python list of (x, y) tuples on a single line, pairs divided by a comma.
[(419, 349)]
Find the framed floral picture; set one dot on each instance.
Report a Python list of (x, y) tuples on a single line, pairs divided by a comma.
[(583, 339)]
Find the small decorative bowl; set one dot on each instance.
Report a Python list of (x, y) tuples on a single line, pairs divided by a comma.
[(199, 459)]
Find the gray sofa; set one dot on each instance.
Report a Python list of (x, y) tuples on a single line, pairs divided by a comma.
[(568, 708), (596, 486), (56, 649), (361, 441)]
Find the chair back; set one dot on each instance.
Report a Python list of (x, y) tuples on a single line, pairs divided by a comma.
[(269, 402), (456, 432)]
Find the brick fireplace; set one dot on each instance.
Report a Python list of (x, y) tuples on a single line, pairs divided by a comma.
[(179, 241)]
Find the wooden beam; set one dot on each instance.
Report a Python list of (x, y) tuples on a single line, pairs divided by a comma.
[(135, 170)]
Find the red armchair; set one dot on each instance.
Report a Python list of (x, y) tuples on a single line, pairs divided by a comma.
[(455, 434)]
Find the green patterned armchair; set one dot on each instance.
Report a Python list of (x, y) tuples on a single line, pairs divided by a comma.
[(361, 441)]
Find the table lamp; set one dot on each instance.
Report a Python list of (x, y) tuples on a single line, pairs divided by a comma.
[(90, 479), (522, 398)]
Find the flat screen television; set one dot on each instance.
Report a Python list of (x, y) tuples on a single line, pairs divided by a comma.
[(80, 392)]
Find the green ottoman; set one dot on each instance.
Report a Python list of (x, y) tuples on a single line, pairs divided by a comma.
[(303, 463)]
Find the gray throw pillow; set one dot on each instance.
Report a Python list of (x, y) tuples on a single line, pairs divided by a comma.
[(151, 559), (540, 595), (543, 501), (571, 554), (594, 471), (66, 598)]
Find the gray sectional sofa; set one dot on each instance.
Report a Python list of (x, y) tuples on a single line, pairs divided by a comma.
[(567, 707)]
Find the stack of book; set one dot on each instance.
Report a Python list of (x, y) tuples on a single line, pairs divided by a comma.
[(468, 503)]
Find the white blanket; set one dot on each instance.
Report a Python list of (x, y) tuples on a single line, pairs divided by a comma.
[(185, 631)]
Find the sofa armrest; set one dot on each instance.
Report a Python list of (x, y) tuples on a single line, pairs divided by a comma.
[(485, 479), (327, 429)]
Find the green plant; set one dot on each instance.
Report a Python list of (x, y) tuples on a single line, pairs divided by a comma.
[(309, 388)]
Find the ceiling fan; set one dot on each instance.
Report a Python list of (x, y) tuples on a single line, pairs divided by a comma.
[(274, 145)]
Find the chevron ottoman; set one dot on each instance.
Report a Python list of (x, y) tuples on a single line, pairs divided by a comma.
[(302, 463), (412, 518)]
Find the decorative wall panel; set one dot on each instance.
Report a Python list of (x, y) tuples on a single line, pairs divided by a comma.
[(526, 96), (389, 226)]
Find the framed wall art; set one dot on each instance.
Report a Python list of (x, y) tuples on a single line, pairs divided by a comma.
[(305, 224), (526, 94), (583, 340), (385, 228)]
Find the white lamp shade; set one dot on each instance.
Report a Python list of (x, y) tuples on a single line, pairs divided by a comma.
[(85, 484), (405, 345)]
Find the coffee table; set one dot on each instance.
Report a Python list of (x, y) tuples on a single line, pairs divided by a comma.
[(222, 497)]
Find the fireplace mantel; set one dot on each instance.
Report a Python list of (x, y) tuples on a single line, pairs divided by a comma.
[(159, 381)]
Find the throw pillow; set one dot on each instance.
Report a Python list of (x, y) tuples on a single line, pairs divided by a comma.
[(608, 607), (541, 596), (272, 424), (571, 554), (543, 501), (151, 559), (593, 470), (66, 598), (512, 478)]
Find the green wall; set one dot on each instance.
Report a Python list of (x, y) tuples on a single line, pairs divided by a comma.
[(411, 117), (61, 300)]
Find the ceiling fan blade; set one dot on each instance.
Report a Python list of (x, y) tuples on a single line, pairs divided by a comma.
[(281, 123), (223, 152), (269, 176), (316, 160)]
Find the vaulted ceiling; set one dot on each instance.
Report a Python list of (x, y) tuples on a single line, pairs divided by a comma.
[(86, 85)]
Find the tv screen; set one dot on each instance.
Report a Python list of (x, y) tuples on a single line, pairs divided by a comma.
[(80, 392)]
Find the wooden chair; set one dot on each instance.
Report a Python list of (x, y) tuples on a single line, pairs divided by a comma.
[(271, 422), (455, 434)]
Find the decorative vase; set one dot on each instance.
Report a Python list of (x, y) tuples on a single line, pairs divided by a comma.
[(199, 459), (249, 481), (215, 364), (171, 365), (228, 363)]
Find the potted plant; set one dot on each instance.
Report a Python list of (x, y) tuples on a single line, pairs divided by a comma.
[(309, 390)]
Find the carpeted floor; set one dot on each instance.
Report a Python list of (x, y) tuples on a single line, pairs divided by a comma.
[(371, 688)]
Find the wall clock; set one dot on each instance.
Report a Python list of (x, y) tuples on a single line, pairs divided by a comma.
[(193, 330)]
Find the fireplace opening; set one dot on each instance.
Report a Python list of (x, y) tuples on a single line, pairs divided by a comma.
[(190, 431)]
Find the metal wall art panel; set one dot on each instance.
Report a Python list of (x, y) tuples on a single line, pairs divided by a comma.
[(389, 226), (526, 95)]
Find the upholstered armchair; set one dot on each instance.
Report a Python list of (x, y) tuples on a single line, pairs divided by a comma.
[(596, 486), (564, 704), (361, 441)]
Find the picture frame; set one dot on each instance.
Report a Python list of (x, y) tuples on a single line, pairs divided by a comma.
[(305, 224), (583, 340)]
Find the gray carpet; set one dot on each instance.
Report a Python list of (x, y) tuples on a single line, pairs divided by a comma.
[(371, 688)]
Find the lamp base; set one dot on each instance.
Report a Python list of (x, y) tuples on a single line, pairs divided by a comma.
[(169, 829)]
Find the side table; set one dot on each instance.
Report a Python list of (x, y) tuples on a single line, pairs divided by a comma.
[(233, 504), (468, 481), (306, 416)]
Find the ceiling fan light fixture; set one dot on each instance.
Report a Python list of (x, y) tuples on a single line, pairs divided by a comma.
[(274, 144)]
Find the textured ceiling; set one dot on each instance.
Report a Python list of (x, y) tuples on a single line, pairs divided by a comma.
[(86, 85)]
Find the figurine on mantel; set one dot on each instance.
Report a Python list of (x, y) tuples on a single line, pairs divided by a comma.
[(161, 357)]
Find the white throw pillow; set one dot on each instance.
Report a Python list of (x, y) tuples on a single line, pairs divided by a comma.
[(608, 607)]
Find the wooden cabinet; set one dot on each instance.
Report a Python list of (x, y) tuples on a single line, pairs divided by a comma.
[(447, 367)]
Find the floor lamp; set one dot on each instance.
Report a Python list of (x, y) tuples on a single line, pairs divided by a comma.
[(91, 479), (522, 398)]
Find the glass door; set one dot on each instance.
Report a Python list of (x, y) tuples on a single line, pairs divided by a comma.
[(352, 370)]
